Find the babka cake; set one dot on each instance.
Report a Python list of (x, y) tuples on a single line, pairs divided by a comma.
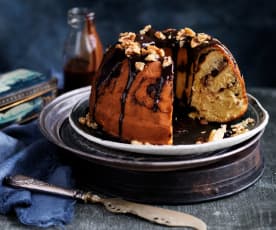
[(146, 77)]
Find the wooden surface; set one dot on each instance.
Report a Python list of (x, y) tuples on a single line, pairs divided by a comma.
[(254, 208)]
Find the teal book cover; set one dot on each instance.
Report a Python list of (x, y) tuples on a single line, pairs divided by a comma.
[(17, 80), (23, 94)]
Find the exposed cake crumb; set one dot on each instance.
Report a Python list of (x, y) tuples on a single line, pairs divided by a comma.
[(139, 66), (217, 134)]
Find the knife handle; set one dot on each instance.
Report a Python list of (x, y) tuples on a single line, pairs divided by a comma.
[(114, 205), (21, 181)]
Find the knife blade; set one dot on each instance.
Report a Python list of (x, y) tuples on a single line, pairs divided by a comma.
[(115, 205)]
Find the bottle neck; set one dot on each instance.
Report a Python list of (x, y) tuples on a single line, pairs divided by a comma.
[(77, 17)]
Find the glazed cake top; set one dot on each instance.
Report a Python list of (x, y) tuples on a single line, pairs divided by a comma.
[(149, 43)]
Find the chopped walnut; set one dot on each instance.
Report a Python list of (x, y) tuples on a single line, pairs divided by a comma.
[(127, 43), (107, 49), (152, 53), (93, 125), (152, 57), (127, 36), (217, 134), (194, 115), (199, 142), (153, 49), (82, 120), (160, 35), (133, 49), (135, 142), (119, 46), (139, 66), (200, 39), (242, 127), (181, 44), (145, 29), (87, 121), (186, 32), (195, 43), (167, 61)]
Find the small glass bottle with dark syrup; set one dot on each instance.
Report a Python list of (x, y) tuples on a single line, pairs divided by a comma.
[(82, 50)]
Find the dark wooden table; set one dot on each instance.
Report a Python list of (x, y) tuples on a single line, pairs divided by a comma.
[(253, 208)]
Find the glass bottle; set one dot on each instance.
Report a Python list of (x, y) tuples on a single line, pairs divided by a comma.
[(83, 49)]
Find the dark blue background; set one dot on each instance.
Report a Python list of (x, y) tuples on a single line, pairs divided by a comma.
[(32, 32)]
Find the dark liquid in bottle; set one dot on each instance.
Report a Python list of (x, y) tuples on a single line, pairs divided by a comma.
[(77, 74)]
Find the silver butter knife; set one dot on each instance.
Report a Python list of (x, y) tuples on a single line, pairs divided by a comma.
[(115, 205)]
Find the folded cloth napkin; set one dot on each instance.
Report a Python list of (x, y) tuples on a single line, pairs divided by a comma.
[(23, 150)]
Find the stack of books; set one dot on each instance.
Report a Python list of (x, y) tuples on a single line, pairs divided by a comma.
[(23, 94)]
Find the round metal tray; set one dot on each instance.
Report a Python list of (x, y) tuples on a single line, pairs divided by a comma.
[(150, 178), (216, 180), (55, 126)]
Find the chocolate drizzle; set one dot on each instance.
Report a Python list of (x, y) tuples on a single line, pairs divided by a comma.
[(110, 68), (131, 77), (155, 90)]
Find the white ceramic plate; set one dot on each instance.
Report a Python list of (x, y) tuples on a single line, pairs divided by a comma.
[(255, 111)]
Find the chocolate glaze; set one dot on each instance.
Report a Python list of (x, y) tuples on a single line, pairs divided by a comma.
[(131, 77), (182, 67), (165, 75), (110, 68)]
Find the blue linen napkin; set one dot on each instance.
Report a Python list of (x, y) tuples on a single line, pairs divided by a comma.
[(23, 150)]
